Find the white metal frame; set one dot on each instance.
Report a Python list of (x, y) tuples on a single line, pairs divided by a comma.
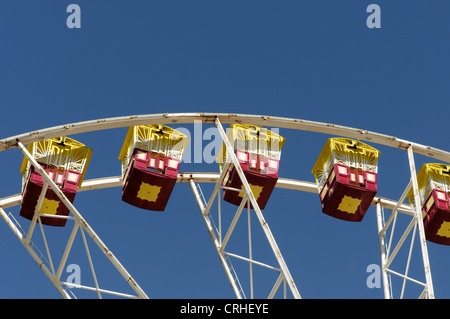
[(46, 264), (415, 226), (220, 239), (385, 239), (226, 118)]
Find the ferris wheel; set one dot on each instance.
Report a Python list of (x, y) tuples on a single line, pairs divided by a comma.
[(151, 159)]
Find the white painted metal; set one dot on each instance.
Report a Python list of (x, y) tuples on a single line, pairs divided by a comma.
[(83, 226), (192, 178), (419, 221), (180, 118), (36, 212), (227, 118), (94, 276), (67, 251), (283, 183), (381, 238), (233, 223), (217, 244), (221, 245), (265, 226), (386, 241), (12, 223)]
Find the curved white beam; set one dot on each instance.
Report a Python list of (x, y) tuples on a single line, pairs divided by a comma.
[(227, 118), (285, 183)]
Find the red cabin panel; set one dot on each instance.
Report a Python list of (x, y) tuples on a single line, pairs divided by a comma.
[(348, 193), (261, 173), (436, 220), (51, 204), (150, 180)]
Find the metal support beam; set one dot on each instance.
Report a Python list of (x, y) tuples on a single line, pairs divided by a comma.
[(233, 223), (400, 243), (414, 226), (67, 250), (12, 225), (216, 242), (381, 238), (83, 224), (296, 124), (418, 217), (283, 183), (284, 269), (229, 118), (36, 212)]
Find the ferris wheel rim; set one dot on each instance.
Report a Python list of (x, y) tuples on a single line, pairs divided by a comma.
[(217, 118), (226, 118), (205, 177)]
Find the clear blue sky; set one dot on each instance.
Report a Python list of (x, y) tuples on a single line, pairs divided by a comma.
[(312, 60)]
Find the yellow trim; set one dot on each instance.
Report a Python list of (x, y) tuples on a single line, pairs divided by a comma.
[(49, 206), (430, 172), (256, 190), (126, 144), (148, 192), (349, 204), (444, 230), (357, 151), (245, 133), (147, 133), (70, 147)]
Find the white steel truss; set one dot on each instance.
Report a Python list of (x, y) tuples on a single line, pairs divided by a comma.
[(228, 118), (386, 239), (390, 248), (45, 261), (220, 239)]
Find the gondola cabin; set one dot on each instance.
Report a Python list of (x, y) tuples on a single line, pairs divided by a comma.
[(258, 151), (151, 156), (434, 192), (65, 161), (346, 177)]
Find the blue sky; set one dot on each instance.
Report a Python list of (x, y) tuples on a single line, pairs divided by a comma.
[(312, 60)]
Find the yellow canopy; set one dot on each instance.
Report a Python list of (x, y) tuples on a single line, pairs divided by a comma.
[(345, 151), (62, 152), (253, 139), (430, 176), (157, 138)]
